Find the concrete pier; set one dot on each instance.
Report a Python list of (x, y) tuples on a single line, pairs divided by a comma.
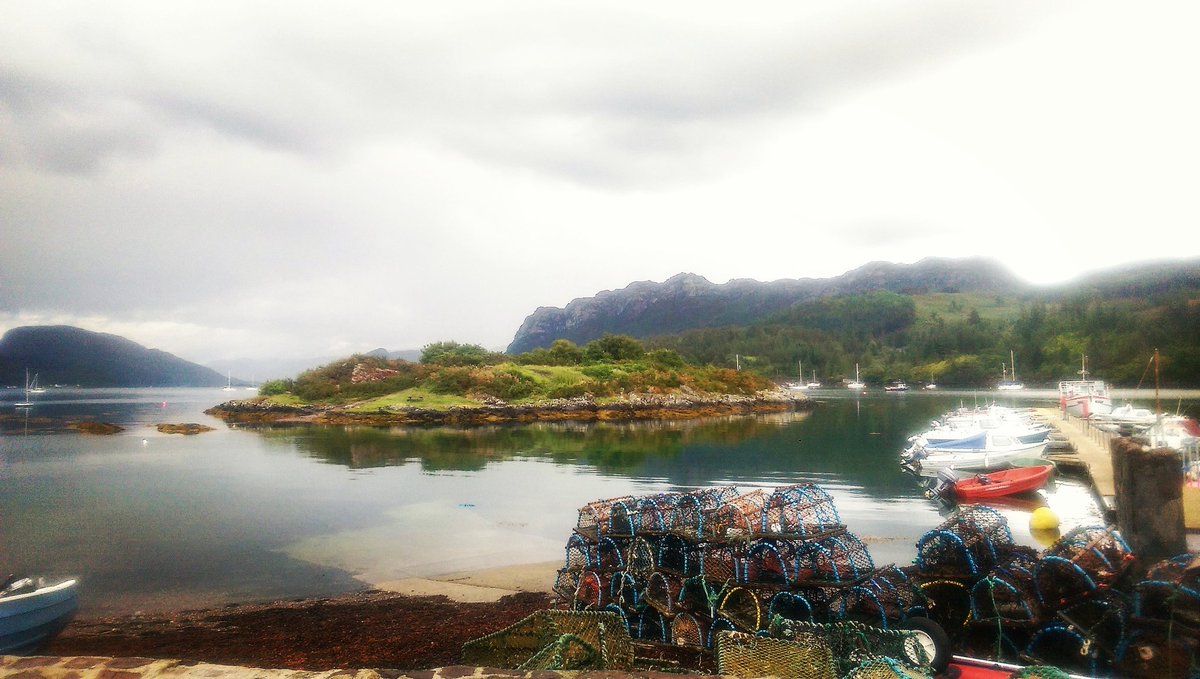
[(1093, 457)]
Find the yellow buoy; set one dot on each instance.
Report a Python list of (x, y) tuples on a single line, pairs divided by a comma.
[(1043, 518)]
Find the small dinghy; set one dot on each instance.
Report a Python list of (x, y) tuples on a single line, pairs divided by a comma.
[(1002, 483), (32, 613)]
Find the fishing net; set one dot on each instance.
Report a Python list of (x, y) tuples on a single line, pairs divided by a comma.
[(887, 596), (1170, 594), (853, 643), (966, 545), (1039, 672), (566, 583), (884, 668), (558, 640), (746, 655), (949, 603), (1083, 560)]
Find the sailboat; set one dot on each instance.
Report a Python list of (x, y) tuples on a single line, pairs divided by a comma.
[(814, 384), (857, 383), (29, 386), (1005, 383), (228, 382), (34, 387)]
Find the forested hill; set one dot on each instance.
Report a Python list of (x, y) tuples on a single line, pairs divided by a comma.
[(687, 301), (951, 322), (72, 356)]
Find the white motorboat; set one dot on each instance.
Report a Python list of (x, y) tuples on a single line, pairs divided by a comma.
[(32, 613), (998, 453)]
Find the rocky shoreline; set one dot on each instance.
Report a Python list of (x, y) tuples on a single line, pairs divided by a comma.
[(630, 407)]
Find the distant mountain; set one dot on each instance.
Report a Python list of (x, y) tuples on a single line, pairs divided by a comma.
[(686, 301), (259, 370), (61, 354)]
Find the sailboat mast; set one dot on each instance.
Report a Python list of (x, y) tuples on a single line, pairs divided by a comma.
[(1012, 362), (1157, 402)]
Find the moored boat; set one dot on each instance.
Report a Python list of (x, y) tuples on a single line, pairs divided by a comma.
[(1083, 397), (32, 613), (999, 453), (1003, 483)]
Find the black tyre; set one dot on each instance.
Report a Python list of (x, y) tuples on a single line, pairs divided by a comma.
[(934, 640)]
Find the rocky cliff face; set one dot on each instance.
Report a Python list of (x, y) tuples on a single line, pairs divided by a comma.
[(686, 300)]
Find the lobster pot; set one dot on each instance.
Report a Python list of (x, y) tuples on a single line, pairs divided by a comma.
[(790, 606), (888, 596), (662, 592), (837, 559), (698, 595), (804, 510), (746, 655), (642, 556), (951, 599), (718, 562), (610, 554), (592, 593), (1064, 647), (566, 583), (687, 630), (1097, 550), (615, 516), (1169, 593), (689, 517), (656, 513), (718, 626), (563, 640), (824, 600), (769, 562), (969, 543), (653, 627), (624, 591), (854, 643), (1081, 562), (679, 556), (1103, 619), (1008, 593), (743, 607), (739, 518), (581, 554)]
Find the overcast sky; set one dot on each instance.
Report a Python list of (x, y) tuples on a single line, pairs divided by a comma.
[(241, 179)]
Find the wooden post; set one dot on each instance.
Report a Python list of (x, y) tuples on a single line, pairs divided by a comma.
[(1149, 497)]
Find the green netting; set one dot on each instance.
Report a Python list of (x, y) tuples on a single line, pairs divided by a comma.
[(575, 640), (854, 643), (747, 655), (1039, 672), (885, 668)]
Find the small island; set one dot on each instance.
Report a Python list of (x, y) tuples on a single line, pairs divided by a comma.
[(610, 379)]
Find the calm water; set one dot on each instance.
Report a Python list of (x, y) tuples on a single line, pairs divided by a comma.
[(152, 521)]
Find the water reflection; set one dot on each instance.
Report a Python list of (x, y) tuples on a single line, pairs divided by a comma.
[(609, 448)]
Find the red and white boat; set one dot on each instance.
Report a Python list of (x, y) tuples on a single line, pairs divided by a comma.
[(1083, 397)]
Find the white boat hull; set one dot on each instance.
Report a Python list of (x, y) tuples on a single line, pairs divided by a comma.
[(29, 621), (929, 461)]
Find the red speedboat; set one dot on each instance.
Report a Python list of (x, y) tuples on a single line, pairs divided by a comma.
[(1002, 483)]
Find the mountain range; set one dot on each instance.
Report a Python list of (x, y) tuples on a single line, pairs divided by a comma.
[(687, 301)]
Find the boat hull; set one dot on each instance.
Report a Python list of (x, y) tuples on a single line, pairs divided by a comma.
[(29, 621), (1003, 483), (931, 460)]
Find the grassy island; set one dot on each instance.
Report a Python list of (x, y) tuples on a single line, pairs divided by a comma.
[(613, 378)]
